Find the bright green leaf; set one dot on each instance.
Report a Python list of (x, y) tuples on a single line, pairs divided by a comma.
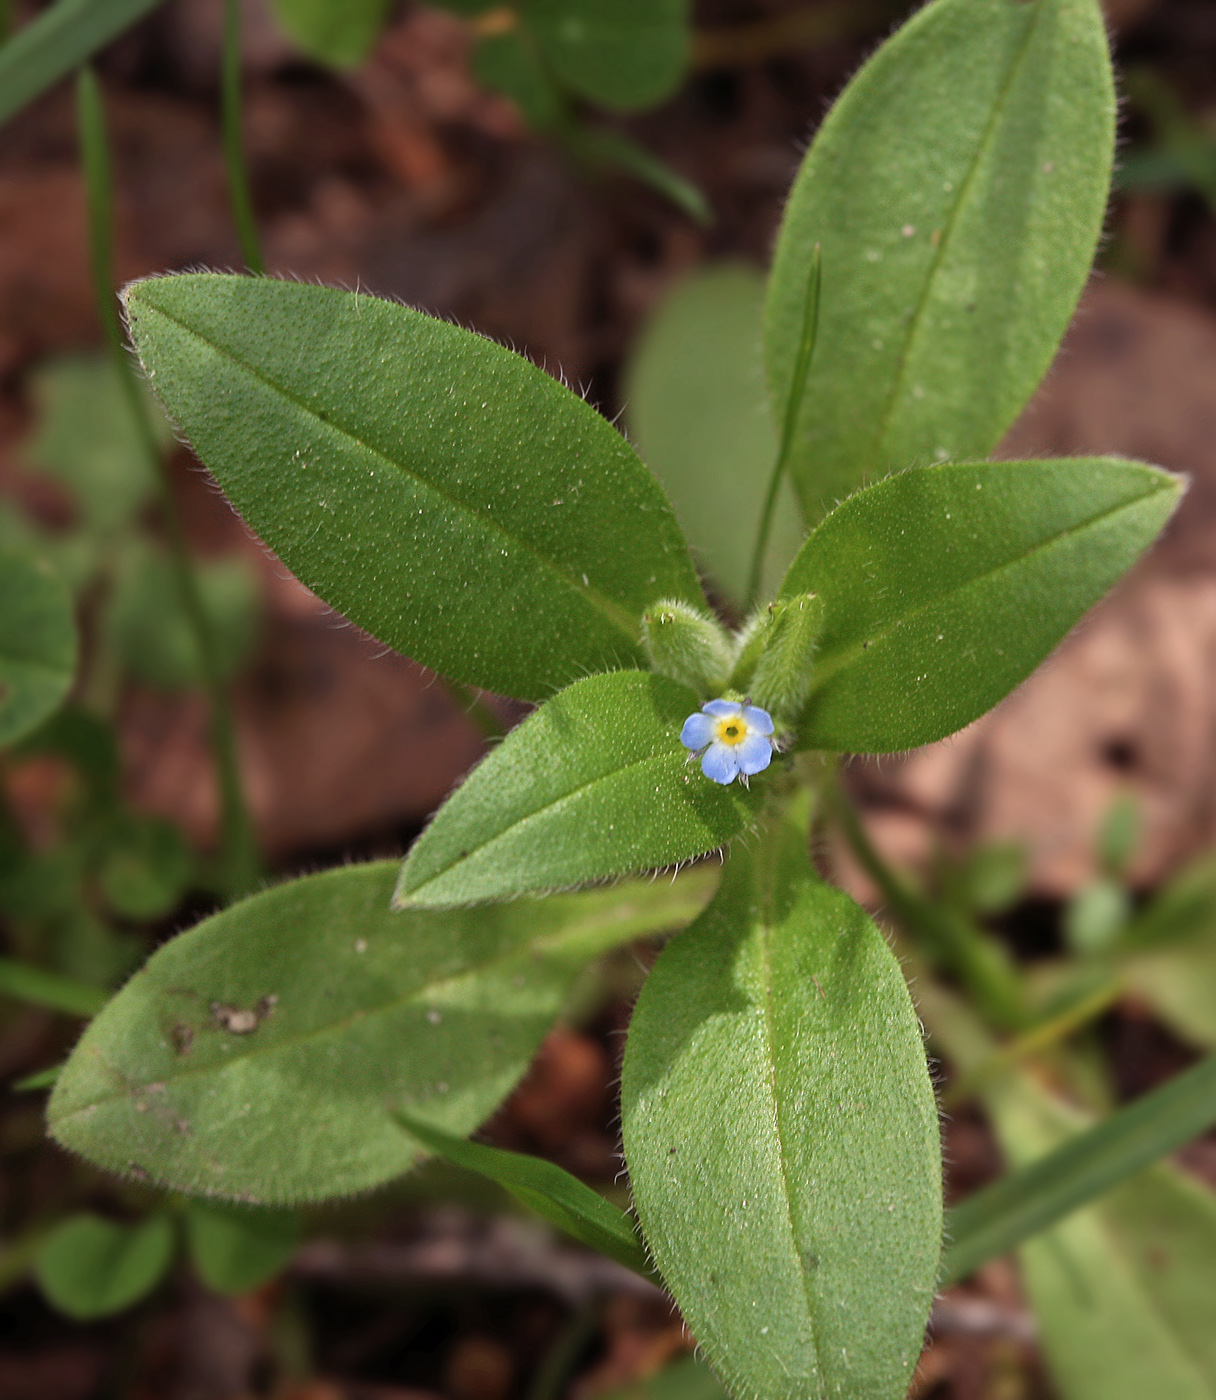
[(696, 404), (37, 642), (89, 1267), (781, 1135), (87, 436), (57, 41), (945, 587), (594, 784), (544, 1187), (438, 490), (237, 1248), (957, 189), (261, 1056), (619, 53), (336, 32), (23, 981)]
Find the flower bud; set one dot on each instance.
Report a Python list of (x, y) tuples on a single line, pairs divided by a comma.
[(686, 645), (782, 677)]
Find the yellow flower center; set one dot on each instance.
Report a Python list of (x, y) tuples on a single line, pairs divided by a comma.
[(731, 730)]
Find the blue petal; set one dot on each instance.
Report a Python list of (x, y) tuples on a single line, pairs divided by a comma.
[(697, 732), (754, 754), (721, 709), (758, 721), (720, 763)]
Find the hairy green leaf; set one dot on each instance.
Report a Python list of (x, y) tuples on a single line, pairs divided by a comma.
[(944, 587), (695, 402), (594, 784), (338, 34), (37, 642), (544, 1187), (957, 189), (237, 1248), (261, 1056), (781, 1136), (442, 492), (620, 53), (57, 41), (89, 1267)]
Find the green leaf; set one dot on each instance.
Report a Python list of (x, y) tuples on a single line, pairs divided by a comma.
[(88, 438), (237, 1248), (24, 982), (686, 1379), (339, 34), (594, 784), (58, 41), (1002, 1216), (1180, 986), (544, 1187), (945, 587), (781, 1135), (604, 150), (37, 642), (147, 867), (508, 63), (440, 491), (262, 1055), (619, 53), (958, 189), (40, 1079), (695, 402), (89, 1267), (1121, 1290)]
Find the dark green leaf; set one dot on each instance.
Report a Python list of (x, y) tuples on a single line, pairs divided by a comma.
[(58, 41), (439, 490), (944, 587), (262, 1055), (147, 867), (237, 1248), (620, 53), (338, 32), (1000, 1217), (89, 1267), (686, 1379), (594, 784), (544, 1187), (24, 982), (37, 642), (695, 401), (508, 63), (957, 189), (781, 1136)]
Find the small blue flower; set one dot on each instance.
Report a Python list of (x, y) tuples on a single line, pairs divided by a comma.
[(739, 739)]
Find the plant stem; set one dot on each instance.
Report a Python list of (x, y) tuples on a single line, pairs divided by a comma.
[(240, 864), (234, 146), (802, 365)]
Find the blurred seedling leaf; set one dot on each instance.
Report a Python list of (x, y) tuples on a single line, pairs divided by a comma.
[(957, 189), (337, 34), (1095, 916), (603, 756), (992, 878), (696, 404), (87, 437), (150, 632), (235, 1249), (1118, 835), (467, 509), (686, 1379), (781, 1136), (984, 566), (544, 1187), (38, 643), (229, 1067), (147, 867), (89, 1267)]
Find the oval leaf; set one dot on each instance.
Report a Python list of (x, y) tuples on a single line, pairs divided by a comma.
[(781, 1136), (544, 1187), (943, 588), (236, 1248), (621, 53), (37, 642), (261, 1055), (594, 784), (957, 189), (89, 1267), (440, 491), (335, 34)]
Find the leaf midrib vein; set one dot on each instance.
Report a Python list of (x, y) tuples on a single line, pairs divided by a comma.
[(608, 608), (946, 240)]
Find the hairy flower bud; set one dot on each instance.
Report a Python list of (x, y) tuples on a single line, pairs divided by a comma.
[(686, 645), (782, 677)]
